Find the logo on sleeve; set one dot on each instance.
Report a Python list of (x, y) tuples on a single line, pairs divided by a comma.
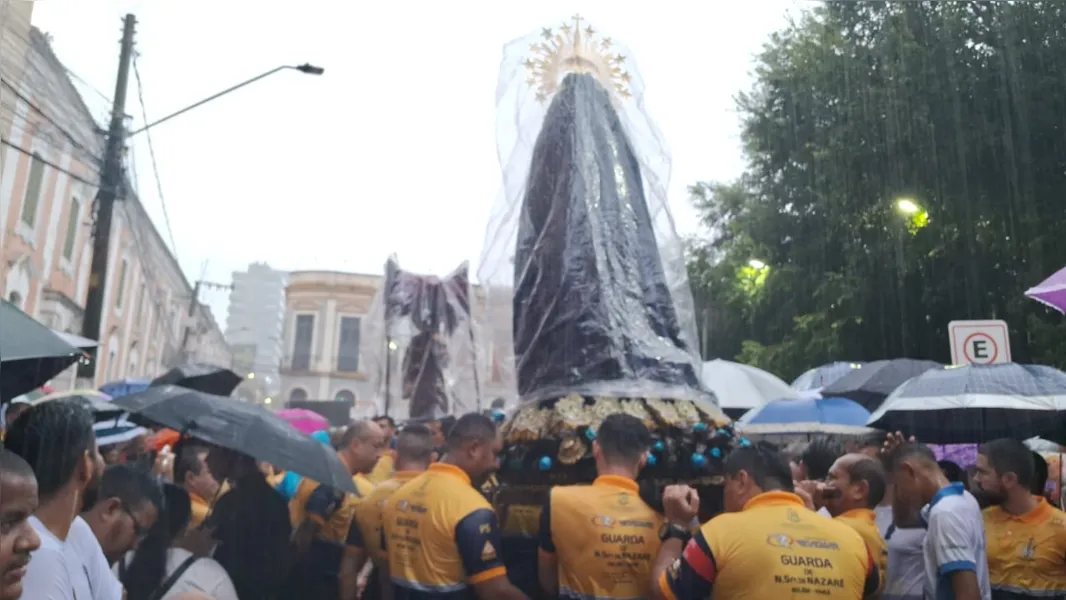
[(488, 552)]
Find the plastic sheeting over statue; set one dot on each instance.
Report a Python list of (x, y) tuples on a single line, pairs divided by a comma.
[(420, 341), (581, 249)]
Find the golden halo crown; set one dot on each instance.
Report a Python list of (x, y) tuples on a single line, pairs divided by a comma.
[(575, 49)]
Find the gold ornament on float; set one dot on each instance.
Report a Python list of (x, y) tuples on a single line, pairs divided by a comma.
[(575, 49)]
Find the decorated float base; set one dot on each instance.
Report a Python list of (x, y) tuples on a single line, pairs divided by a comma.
[(550, 443)]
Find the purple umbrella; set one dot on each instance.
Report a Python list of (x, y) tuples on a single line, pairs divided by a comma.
[(1051, 291)]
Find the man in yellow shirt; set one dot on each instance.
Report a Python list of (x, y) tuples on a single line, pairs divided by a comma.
[(441, 535), (414, 451), (192, 474), (322, 516), (768, 545), (384, 467), (598, 541), (1026, 536), (854, 487)]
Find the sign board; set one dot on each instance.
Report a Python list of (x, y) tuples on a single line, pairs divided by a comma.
[(979, 342)]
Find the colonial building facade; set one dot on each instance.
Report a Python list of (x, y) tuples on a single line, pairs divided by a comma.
[(50, 149), (327, 355)]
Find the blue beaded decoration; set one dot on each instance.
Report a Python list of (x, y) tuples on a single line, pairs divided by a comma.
[(652, 460), (715, 452), (698, 460), (658, 446), (545, 463), (590, 434), (699, 427), (744, 443)]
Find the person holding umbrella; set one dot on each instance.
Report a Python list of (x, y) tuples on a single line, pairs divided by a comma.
[(250, 524)]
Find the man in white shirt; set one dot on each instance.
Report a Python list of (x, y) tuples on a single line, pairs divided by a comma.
[(956, 565), (56, 439)]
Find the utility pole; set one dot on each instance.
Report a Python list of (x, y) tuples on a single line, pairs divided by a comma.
[(112, 182)]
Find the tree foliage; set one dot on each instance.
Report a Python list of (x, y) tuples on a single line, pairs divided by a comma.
[(959, 107)]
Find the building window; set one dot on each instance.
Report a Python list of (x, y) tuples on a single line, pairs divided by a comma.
[(298, 395), (301, 343), (72, 228), (348, 349), (121, 283), (345, 396), (33, 191), (16, 299)]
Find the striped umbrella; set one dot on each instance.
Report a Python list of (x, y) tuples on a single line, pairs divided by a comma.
[(117, 430)]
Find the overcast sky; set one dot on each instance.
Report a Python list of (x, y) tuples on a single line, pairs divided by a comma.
[(393, 149)]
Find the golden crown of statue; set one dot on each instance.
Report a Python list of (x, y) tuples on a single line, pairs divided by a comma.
[(575, 49)]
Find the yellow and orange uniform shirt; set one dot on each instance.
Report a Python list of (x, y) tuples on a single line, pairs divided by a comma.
[(383, 469), (864, 522), (441, 537), (604, 539), (368, 514), (774, 548), (333, 512), (1026, 553)]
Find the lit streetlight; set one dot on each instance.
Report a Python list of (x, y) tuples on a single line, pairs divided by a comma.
[(908, 206), (756, 264)]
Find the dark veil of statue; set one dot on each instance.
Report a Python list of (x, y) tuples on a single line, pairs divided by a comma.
[(581, 254), (591, 302)]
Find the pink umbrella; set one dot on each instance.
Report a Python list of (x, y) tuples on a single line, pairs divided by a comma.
[(1051, 291), (305, 421)]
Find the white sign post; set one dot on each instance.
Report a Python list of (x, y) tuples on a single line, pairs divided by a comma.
[(979, 342)]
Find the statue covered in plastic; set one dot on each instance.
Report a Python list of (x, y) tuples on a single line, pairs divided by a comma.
[(583, 257), (421, 336)]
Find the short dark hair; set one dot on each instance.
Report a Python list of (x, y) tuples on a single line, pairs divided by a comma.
[(14, 465), (1040, 472), (952, 471), (498, 403), (446, 425), (1010, 456), (764, 464), (623, 439), (132, 486), (387, 419), (909, 451), (414, 444), (471, 427), (53, 438), (818, 457), (187, 461), (873, 473)]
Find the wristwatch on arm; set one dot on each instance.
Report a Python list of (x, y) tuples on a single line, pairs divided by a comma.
[(673, 531)]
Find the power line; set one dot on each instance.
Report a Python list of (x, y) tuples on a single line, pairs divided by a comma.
[(49, 163), (40, 111), (88, 85), (151, 154)]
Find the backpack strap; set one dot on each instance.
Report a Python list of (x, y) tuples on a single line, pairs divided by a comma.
[(174, 577)]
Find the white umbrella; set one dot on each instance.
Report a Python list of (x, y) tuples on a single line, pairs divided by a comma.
[(742, 387)]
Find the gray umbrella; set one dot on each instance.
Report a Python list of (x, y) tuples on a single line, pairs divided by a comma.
[(870, 384), (30, 353), (977, 403)]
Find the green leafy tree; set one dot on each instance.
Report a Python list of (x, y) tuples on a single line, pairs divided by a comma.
[(954, 110)]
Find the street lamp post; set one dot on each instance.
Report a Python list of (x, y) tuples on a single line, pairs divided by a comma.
[(908, 208), (305, 68)]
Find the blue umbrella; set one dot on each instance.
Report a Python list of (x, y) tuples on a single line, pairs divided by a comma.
[(827, 411), (819, 377), (117, 389)]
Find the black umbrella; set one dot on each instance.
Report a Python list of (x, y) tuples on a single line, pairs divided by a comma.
[(30, 353), (94, 401), (202, 378), (870, 384), (239, 426), (977, 403)]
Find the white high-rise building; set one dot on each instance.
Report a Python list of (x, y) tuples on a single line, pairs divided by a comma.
[(255, 321)]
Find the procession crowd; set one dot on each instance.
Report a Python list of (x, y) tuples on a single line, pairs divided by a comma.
[(880, 519)]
